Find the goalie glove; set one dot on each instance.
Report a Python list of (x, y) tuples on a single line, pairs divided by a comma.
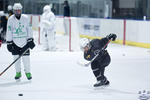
[(112, 36), (47, 24)]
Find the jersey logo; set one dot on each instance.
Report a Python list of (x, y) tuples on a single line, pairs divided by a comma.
[(88, 56), (18, 32), (19, 29)]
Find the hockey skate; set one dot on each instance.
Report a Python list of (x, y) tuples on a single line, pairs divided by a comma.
[(100, 83), (18, 75), (29, 76)]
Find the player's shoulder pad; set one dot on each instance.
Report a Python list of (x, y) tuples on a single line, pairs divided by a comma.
[(94, 41), (24, 16), (11, 17)]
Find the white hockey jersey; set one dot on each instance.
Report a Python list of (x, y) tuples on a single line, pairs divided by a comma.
[(19, 31)]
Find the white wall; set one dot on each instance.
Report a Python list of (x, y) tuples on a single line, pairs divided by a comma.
[(112, 26)]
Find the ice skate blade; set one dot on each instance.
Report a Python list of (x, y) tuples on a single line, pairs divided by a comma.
[(101, 87), (29, 81), (18, 80)]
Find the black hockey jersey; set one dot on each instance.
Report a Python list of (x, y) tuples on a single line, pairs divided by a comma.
[(96, 47)]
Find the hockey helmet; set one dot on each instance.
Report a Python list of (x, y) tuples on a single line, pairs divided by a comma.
[(46, 8), (84, 42), (9, 7), (2, 13), (17, 9), (17, 6)]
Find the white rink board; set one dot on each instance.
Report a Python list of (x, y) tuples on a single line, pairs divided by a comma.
[(135, 31)]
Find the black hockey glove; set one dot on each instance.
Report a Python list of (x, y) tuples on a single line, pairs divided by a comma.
[(112, 36), (10, 46), (30, 43)]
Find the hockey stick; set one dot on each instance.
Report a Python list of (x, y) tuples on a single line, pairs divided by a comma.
[(14, 62), (87, 64)]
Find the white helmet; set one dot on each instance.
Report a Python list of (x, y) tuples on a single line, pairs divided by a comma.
[(9, 7), (46, 8), (17, 6), (83, 43), (2, 13)]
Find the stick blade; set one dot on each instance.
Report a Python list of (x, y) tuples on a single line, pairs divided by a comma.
[(82, 64)]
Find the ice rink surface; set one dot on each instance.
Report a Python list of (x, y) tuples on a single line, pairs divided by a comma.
[(57, 76)]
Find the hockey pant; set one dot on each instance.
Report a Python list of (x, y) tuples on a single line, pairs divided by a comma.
[(98, 67), (48, 39), (26, 62)]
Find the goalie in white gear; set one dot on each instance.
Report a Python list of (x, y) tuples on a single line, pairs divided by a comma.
[(19, 38), (48, 29)]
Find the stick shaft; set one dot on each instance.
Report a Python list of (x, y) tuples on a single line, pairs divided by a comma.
[(13, 62)]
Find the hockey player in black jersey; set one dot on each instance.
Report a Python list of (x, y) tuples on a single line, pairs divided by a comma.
[(91, 49)]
